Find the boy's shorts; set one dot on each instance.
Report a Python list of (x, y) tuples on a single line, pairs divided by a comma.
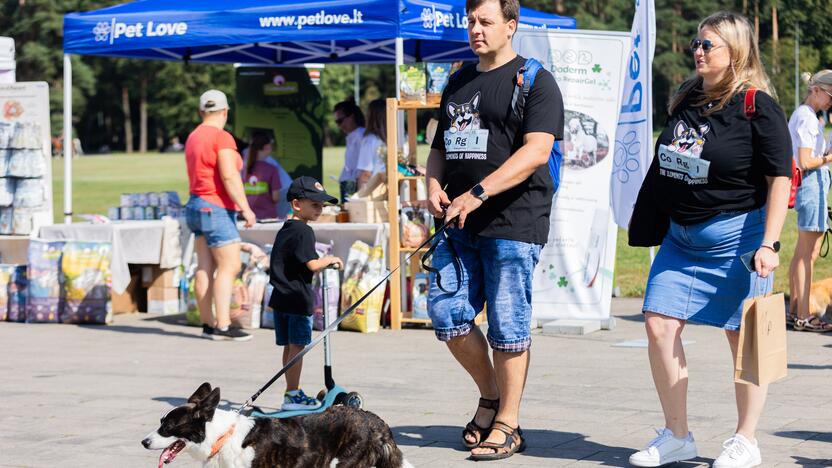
[(496, 271), (292, 329)]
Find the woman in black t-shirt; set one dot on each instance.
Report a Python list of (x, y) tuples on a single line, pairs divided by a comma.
[(721, 173)]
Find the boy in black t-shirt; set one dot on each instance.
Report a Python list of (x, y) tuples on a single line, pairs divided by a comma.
[(293, 263)]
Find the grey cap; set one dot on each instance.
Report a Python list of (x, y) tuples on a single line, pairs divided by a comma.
[(213, 100)]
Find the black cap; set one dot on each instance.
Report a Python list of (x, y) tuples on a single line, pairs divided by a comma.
[(306, 187)]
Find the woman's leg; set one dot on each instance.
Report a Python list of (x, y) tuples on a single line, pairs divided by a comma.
[(227, 260), (806, 252), (669, 367), (750, 398), (204, 281)]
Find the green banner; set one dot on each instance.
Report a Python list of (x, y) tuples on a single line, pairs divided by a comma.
[(285, 103)]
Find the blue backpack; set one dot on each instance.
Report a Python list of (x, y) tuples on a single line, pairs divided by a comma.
[(524, 83)]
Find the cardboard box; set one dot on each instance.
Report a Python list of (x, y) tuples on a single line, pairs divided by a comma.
[(155, 277), (128, 301), (367, 211), (163, 301)]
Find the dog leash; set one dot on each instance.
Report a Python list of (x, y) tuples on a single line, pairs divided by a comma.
[(824, 246), (340, 319)]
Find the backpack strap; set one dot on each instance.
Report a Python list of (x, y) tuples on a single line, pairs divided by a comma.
[(750, 106), (524, 80)]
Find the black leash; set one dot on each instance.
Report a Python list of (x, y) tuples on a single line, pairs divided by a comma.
[(824, 246), (454, 256), (347, 313)]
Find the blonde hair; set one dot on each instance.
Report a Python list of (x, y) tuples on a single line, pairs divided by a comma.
[(821, 79), (746, 69)]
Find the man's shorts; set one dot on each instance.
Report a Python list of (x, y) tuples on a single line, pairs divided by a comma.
[(217, 224), (494, 271), (292, 329)]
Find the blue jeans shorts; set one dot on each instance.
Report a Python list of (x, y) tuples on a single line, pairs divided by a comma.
[(810, 202), (292, 329), (494, 271), (217, 224)]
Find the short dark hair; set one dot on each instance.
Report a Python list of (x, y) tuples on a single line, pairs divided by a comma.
[(510, 8), (350, 108)]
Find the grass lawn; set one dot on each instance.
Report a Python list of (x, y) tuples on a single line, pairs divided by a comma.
[(100, 180)]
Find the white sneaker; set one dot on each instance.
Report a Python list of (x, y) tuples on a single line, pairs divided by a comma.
[(664, 449), (738, 452)]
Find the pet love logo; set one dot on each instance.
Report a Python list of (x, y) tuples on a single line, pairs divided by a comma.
[(115, 30)]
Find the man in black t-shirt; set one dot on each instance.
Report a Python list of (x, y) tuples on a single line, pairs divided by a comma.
[(488, 169)]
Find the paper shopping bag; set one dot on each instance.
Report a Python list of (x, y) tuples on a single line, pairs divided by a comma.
[(761, 352)]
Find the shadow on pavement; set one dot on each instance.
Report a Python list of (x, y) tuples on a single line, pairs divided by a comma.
[(631, 318), (810, 366), (812, 462), (143, 330), (806, 435), (541, 444)]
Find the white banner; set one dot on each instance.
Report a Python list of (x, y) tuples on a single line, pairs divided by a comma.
[(634, 137), (574, 276)]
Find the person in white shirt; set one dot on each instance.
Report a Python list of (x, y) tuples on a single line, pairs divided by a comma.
[(371, 157), (350, 120), (812, 156)]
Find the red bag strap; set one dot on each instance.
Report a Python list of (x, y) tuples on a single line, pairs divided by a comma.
[(750, 102)]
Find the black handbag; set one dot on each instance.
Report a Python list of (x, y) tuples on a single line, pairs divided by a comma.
[(648, 224)]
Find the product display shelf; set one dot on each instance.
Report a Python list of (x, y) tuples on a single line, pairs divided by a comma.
[(399, 314)]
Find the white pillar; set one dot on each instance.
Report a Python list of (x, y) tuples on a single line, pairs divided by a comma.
[(399, 62), (67, 140), (356, 84)]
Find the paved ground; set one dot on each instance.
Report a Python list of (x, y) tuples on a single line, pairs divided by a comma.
[(85, 396)]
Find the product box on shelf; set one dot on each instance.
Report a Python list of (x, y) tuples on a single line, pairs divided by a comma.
[(155, 277), (161, 300), (367, 211)]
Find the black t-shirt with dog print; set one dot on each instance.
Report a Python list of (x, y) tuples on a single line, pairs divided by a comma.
[(478, 133), (294, 246), (706, 165)]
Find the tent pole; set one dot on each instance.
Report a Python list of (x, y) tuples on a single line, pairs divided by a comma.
[(357, 84), (399, 61), (67, 140)]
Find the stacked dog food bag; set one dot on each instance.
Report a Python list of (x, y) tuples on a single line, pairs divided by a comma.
[(86, 273), (22, 172), (46, 296)]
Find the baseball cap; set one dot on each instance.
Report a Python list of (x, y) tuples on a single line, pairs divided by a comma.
[(305, 187), (213, 100)]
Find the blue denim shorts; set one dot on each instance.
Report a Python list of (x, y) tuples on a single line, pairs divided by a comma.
[(292, 329), (698, 276), (217, 224), (810, 202), (494, 271)]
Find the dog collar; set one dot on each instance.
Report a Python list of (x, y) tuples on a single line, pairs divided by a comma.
[(215, 449)]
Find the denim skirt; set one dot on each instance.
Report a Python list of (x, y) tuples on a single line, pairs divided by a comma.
[(810, 202), (697, 274)]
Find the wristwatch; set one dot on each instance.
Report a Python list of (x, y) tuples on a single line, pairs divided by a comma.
[(479, 192), (773, 245)]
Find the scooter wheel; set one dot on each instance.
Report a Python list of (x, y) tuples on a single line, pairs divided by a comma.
[(353, 400), (322, 395)]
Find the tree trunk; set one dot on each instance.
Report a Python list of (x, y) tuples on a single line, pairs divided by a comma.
[(128, 121), (745, 7), (143, 116), (757, 19), (560, 8), (775, 37)]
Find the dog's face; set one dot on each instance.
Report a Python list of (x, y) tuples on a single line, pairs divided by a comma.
[(184, 424), (464, 115)]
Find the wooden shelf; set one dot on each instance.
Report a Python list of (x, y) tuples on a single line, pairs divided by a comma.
[(412, 249), (408, 177), (416, 320), (404, 105)]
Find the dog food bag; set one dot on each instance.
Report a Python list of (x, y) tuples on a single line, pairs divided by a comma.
[(6, 273), (26, 163), (413, 81), (4, 161), (6, 135), (438, 76), (45, 299), (22, 222), (192, 316), (334, 290), (415, 226), (267, 317), (7, 191), (29, 193), (356, 261), (6, 220), (366, 318), (256, 283), (247, 298), (17, 294), (86, 271)]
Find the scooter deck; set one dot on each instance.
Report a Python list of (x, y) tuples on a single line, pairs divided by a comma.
[(329, 400)]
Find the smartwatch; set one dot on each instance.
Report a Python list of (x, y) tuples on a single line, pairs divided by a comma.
[(773, 245), (479, 192)]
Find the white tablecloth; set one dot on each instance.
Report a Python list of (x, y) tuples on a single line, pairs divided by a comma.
[(142, 242), (342, 235)]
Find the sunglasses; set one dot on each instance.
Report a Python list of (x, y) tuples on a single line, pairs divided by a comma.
[(706, 45)]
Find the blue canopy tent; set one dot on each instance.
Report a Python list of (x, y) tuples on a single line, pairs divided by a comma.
[(273, 32)]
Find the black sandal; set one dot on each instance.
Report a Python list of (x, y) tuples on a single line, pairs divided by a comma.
[(475, 430), (507, 448)]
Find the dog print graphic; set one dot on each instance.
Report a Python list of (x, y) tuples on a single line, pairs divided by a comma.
[(688, 139), (465, 116)]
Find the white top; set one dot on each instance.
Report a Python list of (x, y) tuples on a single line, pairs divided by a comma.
[(283, 206), (349, 171), (806, 132), (369, 158)]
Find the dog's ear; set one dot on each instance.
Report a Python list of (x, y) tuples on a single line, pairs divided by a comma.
[(200, 393), (207, 405)]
